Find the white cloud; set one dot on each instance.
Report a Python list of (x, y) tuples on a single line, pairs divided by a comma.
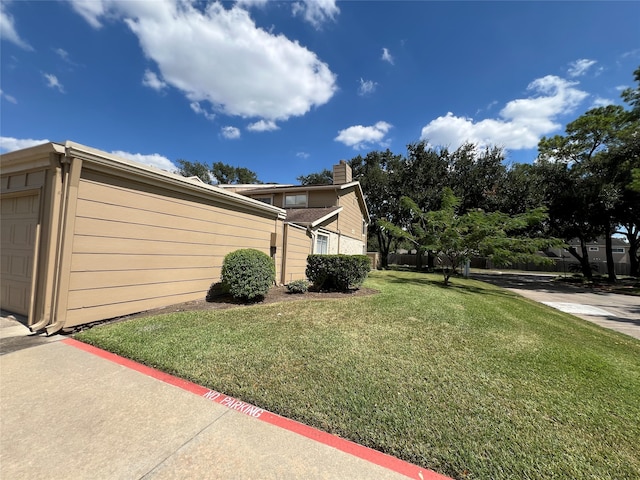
[(151, 80), (366, 87), (386, 56), (602, 102), (53, 82), (10, 144), (220, 56), (8, 30), (91, 10), (523, 121), (360, 137), (251, 3), (153, 160), (196, 107), (316, 12), (230, 133), (263, 126), (580, 67), (303, 155), (8, 98)]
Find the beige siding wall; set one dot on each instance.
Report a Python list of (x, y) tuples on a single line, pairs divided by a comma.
[(350, 218), (137, 247), (322, 199), (298, 247)]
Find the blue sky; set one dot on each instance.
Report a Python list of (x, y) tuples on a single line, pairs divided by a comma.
[(289, 88)]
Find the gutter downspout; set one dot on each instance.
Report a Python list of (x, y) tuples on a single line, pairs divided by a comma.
[(65, 164), (73, 167)]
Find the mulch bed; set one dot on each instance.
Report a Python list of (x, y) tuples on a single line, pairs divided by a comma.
[(221, 302)]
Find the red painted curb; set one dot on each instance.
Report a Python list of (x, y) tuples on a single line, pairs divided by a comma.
[(347, 446)]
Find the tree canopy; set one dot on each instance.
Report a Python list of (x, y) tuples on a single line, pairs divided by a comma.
[(218, 173)]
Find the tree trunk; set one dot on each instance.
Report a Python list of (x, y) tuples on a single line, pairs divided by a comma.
[(419, 252), (634, 244), (611, 266), (384, 244), (583, 259), (430, 261)]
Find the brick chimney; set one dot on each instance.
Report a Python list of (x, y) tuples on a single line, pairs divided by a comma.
[(342, 173)]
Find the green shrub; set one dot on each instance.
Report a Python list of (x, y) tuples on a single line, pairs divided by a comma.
[(298, 286), (337, 272), (248, 274)]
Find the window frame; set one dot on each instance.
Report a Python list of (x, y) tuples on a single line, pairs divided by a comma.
[(296, 203), (317, 247)]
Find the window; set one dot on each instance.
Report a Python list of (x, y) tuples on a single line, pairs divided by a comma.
[(299, 200), (593, 249), (617, 249), (322, 244), (267, 200)]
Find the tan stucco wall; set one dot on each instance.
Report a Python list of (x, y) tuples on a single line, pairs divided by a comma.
[(350, 218), (298, 247), (137, 246)]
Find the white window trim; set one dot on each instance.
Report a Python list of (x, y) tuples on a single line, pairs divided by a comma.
[(315, 243)]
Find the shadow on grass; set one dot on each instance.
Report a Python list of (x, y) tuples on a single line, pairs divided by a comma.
[(453, 286)]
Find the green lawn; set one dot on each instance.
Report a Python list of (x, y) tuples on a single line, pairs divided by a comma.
[(471, 381)]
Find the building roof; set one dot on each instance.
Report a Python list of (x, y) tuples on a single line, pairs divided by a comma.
[(311, 217)]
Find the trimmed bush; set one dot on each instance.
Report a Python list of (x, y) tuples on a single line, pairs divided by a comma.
[(298, 286), (248, 274), (337, 272)]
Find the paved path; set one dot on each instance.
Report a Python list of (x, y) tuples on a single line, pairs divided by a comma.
[(615, 311), (68, 410)]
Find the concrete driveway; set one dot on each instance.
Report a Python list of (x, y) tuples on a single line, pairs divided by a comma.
[(610, 310)]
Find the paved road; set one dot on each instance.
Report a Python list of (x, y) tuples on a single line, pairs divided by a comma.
[(609, 310)]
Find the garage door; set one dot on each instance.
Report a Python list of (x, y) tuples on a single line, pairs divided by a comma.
[(19, 219)]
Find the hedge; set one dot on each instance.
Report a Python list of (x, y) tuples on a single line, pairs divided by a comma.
[(337, 272)]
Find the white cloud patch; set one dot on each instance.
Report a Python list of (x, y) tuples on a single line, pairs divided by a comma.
[(360, 137), (316, 12), (151, 80), (8, 98), (153, 160), (8, 29), (302, 155), (53, 82), (196, 107), (263, 126), (521, 124), (386, 56), (580, 67), (602, 102), (11, 144), (230, 133), (91, 10), (220, 56), (367, 87)]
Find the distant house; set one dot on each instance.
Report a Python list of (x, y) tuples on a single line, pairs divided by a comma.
[(334, 217), (87, 235), (597, 253)]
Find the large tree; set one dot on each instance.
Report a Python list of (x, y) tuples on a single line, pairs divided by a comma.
[(586, 151), (195, 169), (458, 236), (325, 177)]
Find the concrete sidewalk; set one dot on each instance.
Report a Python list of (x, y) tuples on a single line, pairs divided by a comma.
[(70, 413)]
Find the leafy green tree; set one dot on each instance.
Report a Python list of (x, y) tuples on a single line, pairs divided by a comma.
[(246, 176), (228, 174), (459, 237), (195, 169), (381, 185), (325, 177), (587, 149)]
